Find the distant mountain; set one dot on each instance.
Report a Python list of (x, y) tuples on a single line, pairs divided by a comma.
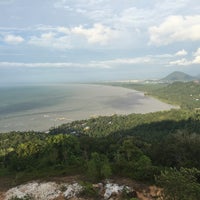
[(178, 76)]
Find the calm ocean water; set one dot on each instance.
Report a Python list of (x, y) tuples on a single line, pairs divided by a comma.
[(41, 107)]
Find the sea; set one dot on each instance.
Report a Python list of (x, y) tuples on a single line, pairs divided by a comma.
[(40, 107)]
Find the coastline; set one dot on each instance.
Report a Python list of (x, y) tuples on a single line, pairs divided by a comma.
[(86, 101)]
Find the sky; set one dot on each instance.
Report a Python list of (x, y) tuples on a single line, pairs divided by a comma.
[(97, 40)]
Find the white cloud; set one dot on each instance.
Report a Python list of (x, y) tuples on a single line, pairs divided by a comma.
[(135, 17), (99, 33), (129, 61), (62, 38), (176, 29), (106, 64), (197, 60), (59, 29), (53, 65), (13, 39), (51, 40), (182, 52), (161, 60), (91, 22), (197, 53), (170, 6), (182, 62), (62, 29), (197, 57)]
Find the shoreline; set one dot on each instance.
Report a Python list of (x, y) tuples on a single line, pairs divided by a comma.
[(87, 100)]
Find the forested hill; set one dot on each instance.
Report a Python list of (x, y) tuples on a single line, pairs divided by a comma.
[(178, 76), (137, 146), (186, 95)]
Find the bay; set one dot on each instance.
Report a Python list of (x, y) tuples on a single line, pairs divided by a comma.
[(40, 107)]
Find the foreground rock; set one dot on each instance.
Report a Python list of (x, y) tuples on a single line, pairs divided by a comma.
[(44, 191), (74, 191), (34, 190)]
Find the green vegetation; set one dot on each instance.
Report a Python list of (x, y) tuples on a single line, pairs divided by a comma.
[(164, 145), (180, 184), (27, 197), (89, 191), (186, 95), (136, 146)]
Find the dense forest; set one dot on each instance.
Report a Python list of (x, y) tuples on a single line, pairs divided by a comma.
[(161, 148)]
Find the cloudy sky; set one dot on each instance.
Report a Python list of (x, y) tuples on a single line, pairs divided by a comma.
[(88, 40)]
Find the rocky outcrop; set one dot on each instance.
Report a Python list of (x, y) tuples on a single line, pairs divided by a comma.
[(107, 190), (34, 190), (72, 190), (52, 191)]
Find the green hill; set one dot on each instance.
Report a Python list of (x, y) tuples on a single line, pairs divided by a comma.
[(178, 76)]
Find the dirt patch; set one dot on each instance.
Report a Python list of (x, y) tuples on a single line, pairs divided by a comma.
[(2, 195), (5, 183), (144, 191), (64, 179)]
